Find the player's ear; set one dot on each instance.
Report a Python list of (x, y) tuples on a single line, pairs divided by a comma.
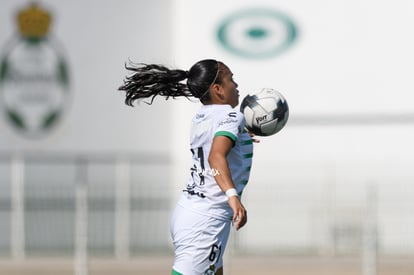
[(216, 89)]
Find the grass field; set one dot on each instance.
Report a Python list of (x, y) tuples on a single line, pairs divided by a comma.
[(237, 265)]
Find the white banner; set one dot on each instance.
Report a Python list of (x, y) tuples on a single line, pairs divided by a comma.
[(62, 62)]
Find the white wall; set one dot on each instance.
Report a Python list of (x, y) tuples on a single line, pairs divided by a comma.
[(350, 58), (351, 61)]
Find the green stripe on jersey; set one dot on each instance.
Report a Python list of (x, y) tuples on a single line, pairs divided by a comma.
[(248, 168), (227, 134), (248, 156), (244, 182), (173, 272), (247, 142)]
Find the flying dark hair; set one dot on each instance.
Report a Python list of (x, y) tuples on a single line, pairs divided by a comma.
[(151, 80)]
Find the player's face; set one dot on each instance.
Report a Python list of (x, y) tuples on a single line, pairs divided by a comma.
[(231, 94)]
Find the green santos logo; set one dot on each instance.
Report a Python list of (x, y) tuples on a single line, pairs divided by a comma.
[(34, 82), (257, 33)]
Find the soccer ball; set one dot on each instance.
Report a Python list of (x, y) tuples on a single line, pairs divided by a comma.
[(265, 111)]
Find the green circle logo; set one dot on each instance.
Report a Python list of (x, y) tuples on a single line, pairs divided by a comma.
[(257, 33)]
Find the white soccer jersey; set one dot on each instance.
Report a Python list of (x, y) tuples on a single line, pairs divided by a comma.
[(202, 194)]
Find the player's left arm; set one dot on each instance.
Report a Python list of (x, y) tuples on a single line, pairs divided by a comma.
[(218, 162)]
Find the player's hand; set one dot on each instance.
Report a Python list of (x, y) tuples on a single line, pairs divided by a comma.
[(239, 212), (253, 136)]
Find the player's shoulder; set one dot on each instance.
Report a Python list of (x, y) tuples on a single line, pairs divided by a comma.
[(226, 112), (229, 118), (220, 114)]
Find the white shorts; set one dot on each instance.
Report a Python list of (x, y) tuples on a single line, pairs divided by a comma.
[(199, 242)]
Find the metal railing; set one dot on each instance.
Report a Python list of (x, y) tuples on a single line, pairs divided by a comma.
[(66, 201)]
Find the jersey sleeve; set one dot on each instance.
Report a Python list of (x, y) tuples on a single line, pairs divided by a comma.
[(230, 125)]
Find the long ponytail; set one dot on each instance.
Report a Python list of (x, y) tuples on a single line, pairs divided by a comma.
[(151, 80)]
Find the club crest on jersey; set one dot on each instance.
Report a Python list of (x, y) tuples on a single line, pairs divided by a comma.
[(210, 270)]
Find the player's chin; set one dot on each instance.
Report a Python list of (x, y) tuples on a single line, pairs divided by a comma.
[(235, 103)]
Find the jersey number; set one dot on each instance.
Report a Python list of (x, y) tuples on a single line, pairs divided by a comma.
[(202, 170), (215, 252)]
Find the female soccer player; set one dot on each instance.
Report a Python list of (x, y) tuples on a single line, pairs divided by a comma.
[(222, 153)]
